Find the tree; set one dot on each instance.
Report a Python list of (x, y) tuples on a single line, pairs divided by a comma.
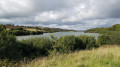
[(8, 45)]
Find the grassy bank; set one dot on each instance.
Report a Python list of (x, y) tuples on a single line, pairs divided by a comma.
[(105, 56)]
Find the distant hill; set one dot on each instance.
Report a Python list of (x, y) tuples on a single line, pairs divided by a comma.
[(36, 28), (114, 28), (32, 30)]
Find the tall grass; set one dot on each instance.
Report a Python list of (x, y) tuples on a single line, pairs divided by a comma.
[(105, 56)]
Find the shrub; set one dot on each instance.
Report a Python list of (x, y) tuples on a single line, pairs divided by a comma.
[(8, 45), (86, 42), (19, 28), (65, 44), (104, 39), (41, 46), (70, 43), (20, 32), (113, 38)]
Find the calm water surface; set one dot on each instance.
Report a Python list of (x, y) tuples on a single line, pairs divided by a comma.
[(57, 34)]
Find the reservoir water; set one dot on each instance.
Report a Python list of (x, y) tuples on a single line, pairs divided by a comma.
[(57, 34)]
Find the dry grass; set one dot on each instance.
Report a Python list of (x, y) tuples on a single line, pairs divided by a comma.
[(105, 56), (29, 29)]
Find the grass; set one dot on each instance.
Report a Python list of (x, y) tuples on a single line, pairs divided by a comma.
[(30, 29), (105, 56)]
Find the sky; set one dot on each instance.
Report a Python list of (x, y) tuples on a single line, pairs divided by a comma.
[(65, 14)]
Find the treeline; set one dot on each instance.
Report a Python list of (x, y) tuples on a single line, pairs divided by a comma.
[(109, 30), (110, 35), (37, 28), (21, 31), (51, 30)]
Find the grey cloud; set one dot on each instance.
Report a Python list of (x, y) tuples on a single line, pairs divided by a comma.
[(106, 8), (46, 5), (69, 14), (14, 8)]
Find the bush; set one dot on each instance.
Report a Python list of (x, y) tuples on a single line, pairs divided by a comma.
[(104, 39), (86, 42), (70, 43), (113, 38), (8, 45), (65, 44), (20, 32), (41, 46)]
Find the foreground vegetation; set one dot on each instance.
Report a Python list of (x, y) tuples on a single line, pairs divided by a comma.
[(15, 53), (12, 49), (105, 56)]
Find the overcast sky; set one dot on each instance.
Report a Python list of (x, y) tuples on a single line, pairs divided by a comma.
[(66, 14)]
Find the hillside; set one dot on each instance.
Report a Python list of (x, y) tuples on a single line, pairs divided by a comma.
[(114, 28), (36, 28), (32, 30), (110, 35), (105, 56)]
